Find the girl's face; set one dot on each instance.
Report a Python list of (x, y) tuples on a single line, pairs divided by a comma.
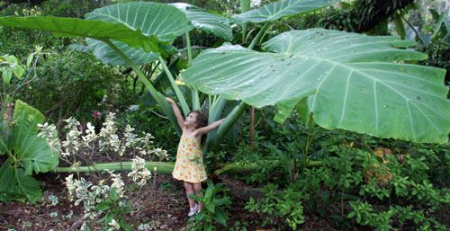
[(191, 120)]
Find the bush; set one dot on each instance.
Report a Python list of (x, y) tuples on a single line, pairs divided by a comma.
[(363, 184), (74, 84)]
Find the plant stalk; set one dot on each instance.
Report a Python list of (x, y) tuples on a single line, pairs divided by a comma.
[(194, 93), (160, 99), (245, 6), (176, 89), (258, 36), (161, 167)]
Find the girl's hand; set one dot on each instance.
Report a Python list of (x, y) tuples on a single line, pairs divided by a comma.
[(170, 100)]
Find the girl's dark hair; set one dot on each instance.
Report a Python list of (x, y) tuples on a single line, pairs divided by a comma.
[(201, 119)]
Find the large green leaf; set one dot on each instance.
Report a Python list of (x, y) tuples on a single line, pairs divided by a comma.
[(107, 55), (164, 21), (206, 21), (352, 82), (28, 154), (73, 27), (281, 9)]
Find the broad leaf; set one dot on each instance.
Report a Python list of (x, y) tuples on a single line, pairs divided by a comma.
[(31, 155), (164, 21), (281, 9), (74, 27), (107, 55), (352, 82), (208, 22), (16, 184)]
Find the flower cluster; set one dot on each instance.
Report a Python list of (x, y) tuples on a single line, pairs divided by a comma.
[(91, 195), (72, 143), (49, 133), (108, 140), (139, 173), (107, 194)]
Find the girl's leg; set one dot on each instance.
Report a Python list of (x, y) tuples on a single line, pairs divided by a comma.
[(189, 190), (197, 187)]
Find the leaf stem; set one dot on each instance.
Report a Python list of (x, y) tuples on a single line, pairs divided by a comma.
[(258, 36), (176, 89), (194, 92), (166, 108)]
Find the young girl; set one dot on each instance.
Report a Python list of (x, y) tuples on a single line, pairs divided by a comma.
[(189, 164)]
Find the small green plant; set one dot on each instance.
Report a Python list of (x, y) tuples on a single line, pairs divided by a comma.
[(283, 209), (239, 226), (214, 201)]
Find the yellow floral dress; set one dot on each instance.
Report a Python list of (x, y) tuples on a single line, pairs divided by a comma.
[(189, 164)]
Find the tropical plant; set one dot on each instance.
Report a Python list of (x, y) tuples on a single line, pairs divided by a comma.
[(282, 209), (214, 201), (27, 153), (364, 86)]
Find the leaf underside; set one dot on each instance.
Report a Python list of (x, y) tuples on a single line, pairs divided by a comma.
[(277, 10)]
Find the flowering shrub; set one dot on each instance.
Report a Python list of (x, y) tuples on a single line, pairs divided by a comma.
[(107, 200), (85, 141)]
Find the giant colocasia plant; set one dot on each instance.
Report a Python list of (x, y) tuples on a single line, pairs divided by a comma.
[(337, 80)]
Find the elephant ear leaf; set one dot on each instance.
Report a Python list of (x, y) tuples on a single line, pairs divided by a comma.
[(352, 81), (108, 56), (209, 22), (74, 27), (281, 9), (163, 21), (28, 154)]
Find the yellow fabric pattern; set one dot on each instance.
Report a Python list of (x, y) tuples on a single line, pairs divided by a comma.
[(189, 164)]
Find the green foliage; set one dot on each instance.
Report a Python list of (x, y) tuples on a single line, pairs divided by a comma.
[(214, 202), (114, 208), (439, 56), (283, 209), (147, 119), (209, 22), (277, 10), (403, 190), (74, 84), (342, 84), (27, 154), (405, 185), (74, 27), (9, 65)]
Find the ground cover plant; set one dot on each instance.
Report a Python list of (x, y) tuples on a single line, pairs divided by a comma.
[(322, 96)]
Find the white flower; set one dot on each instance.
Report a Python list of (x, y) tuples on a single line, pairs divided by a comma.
[(118, 184), (72, 143), (146, 141), (90, 135), (139, 172), (71, 123), (49, 133), (70, 185), (160, 153)]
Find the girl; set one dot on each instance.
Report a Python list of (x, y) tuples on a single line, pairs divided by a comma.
[(189, 163)]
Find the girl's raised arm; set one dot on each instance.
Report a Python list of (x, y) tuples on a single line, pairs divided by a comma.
[(204, 130), (177, 112)]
